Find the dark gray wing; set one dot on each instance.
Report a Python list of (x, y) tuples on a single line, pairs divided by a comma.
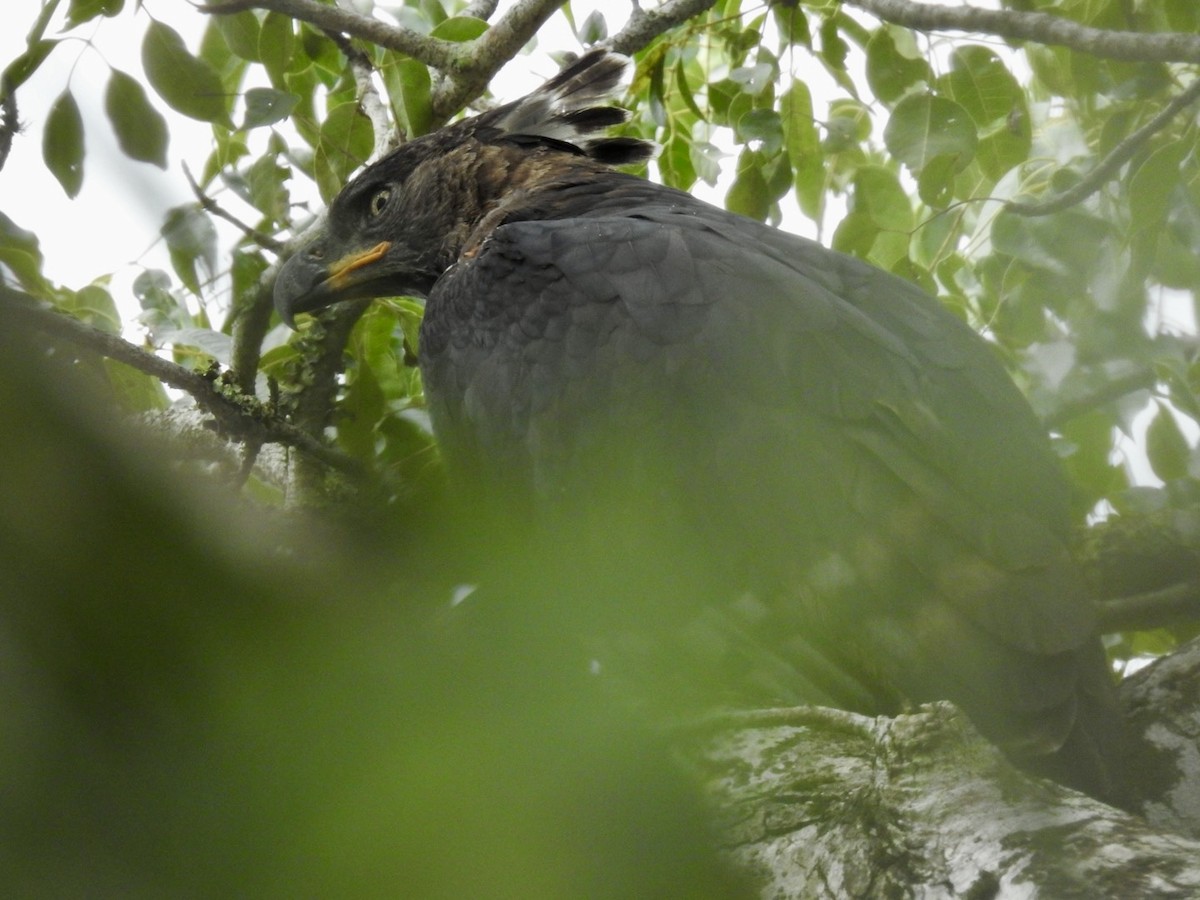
[(831, 435)]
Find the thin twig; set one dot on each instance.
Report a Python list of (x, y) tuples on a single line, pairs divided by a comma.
[(1107, 167), (1041, 28), (209, 205), (246, 418)]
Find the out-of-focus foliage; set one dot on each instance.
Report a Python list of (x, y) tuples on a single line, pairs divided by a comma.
[(896, 146)]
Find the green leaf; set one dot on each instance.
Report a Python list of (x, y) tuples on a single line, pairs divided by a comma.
[(62, 143), (267, 184), (140, 128), (749, 195), (266, 106), (409, 86), (803, 146), (935, 184), (276, 44), (762, 125), (136, 391), (685, 90), (1152, 185), (191, 239), (981, 83), (594, 29), (878, 194), (21, 254), (345, 142), (890, 71), (675, 163), (94, 305), (1166, 447), (855, 235), (241, 33), (924, 126), (188, 85), (81, 11), (460, 29), (211, 343)]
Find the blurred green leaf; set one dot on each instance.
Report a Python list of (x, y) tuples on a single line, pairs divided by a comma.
[(594, 29), (345, 142), (459, 29), (62, 143), (188, 85), (892, 71), (81, 11), (94, 305), (409, 87), (803, 146), (1152, 184), (923, 127), (140, 129), (241, 31), (276, 43), (748, 195), (1166, 447), (266, 106), (191, 240)]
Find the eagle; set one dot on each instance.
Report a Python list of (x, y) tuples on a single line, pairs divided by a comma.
[(823, 460)]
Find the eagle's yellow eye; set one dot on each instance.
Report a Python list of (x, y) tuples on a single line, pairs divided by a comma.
[(379, 201)]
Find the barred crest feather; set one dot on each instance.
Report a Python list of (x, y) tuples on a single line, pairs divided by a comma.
[(561, 110)]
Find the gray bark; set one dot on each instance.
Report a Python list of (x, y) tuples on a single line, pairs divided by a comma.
[(820, 803)]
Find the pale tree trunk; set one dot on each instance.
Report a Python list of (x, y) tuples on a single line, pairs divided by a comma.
[(819, 803)]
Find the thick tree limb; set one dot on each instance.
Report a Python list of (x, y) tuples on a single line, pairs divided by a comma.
[(647, 24), (842, 805), (244, 418), (1041, 28), (488, 53)]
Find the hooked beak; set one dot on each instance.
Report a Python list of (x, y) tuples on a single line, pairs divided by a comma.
[(305, 284)]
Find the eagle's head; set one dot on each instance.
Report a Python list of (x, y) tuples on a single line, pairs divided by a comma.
[(401, 222)]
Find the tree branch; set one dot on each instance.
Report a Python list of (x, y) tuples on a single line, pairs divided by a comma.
[(448, 56), (209, 205), (481, 9), (1178, 604), (368, 97), (1040, 28), (1138, 380), (645, 25), (243, 417), (8, 122), (1117, 157), (488, 53)]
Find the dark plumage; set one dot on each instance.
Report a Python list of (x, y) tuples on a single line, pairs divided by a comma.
[(858, 484)]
